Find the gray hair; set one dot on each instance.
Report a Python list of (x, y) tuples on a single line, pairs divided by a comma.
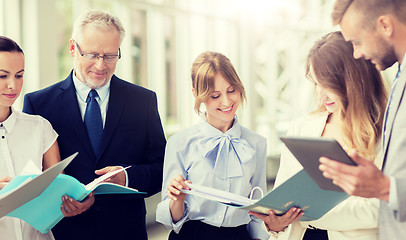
[(99, 19)]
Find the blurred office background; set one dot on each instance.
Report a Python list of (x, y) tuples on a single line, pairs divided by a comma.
[(266, 40)]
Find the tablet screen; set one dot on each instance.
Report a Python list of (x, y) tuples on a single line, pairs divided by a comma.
[(308, 150)]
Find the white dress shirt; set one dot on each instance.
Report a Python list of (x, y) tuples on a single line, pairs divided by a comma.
[(103, 100), (23, 139)]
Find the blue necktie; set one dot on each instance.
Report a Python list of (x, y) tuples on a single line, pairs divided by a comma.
[(93, 121)]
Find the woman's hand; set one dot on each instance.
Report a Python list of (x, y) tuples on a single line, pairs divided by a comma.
[(177, 203), (279, 223), (177, 184), (4, 181)]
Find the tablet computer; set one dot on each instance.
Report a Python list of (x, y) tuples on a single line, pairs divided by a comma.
[(308, 150)]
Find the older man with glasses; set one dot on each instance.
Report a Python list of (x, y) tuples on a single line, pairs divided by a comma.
[(112, 124)]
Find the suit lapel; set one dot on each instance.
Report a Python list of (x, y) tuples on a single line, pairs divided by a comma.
[(395, 103), (115, 108), (71, 107)]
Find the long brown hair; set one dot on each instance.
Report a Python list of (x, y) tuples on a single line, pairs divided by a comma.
[(359, 86), (205, 68)]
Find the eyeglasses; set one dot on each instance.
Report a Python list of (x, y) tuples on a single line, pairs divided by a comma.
[(93, 57)]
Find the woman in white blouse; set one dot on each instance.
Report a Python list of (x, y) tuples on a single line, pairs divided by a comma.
[(352, 99), (217, 152), (25, 140)]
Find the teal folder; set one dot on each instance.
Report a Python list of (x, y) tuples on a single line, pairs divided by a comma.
[(12, 198), (43, 212), (298, 191)]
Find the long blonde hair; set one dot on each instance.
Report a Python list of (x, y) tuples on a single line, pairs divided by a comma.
[(359, 86)]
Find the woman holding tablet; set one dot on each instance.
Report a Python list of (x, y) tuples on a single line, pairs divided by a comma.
[(352, 99)]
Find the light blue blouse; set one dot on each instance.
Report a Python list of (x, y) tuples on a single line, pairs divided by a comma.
[(234, 161)]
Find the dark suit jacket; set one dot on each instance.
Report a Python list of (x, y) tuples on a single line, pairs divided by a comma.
[(132, 135)]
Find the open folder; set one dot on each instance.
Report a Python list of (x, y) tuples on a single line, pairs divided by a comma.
[(40, 206), (13, 197), (298, 191)]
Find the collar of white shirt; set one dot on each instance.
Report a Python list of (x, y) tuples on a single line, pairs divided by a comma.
[(10, 122), (82, 90)]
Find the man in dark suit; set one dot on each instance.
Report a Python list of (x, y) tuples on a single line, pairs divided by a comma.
[(122, 129)]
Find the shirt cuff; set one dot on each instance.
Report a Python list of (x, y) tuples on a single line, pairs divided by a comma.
[(178, 225), (163, 215)]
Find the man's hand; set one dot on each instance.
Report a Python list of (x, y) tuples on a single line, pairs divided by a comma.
[(70, 207), (119, 178), (364, 180)]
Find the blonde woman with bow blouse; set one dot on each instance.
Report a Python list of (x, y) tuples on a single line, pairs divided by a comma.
[(217, 152)]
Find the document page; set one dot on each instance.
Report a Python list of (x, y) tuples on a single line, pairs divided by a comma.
[(218, 195), (92, 185)]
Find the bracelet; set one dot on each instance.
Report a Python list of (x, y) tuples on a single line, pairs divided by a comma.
[(273, 233)]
